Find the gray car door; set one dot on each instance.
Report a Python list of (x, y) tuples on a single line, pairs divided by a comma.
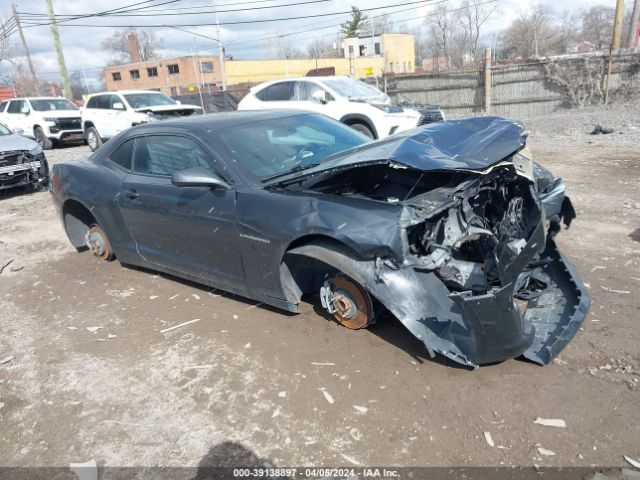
[(190, 230)]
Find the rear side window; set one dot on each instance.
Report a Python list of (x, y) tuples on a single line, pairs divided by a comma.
[(3, 105), (166, 154), (123, 155), (99, 101), (278, 92)]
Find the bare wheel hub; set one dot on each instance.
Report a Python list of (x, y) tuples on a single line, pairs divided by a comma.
[(98, 243), (347, 301)]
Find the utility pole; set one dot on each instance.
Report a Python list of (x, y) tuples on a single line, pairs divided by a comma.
[(615, 44), (633, 28), (221, 49), (66, 85), (617, 25), (26, 48)]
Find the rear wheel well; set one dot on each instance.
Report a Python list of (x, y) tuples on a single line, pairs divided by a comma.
[(77, 221)]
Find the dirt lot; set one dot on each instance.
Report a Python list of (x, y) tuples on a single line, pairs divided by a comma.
[(90, 376)]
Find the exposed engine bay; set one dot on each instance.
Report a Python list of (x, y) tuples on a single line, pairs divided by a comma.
[(487, 236), (21, 167)]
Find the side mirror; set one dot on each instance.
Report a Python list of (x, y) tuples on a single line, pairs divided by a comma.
[(26, 111), (198, 177), (118, 106), (178, 102), (320, 96), (18, 131)]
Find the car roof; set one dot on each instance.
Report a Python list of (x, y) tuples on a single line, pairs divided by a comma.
[(125, 92), (213, 121), (36, 98), (294, 79)]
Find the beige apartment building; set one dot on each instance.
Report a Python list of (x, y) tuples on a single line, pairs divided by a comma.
[(172, 76)]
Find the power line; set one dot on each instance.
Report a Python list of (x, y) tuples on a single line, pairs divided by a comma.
[(147, 14), (264, 20)]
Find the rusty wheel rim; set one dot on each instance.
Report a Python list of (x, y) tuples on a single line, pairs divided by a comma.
[(98, 243), (353, 308)]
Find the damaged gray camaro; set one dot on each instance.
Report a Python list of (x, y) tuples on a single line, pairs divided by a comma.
[(449, 227)]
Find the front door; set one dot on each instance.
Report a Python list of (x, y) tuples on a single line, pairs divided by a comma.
[(187, 229)]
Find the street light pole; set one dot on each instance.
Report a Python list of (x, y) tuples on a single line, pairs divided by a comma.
[(220, 48)]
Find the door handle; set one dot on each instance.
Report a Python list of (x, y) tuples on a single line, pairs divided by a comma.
[(131, 194)]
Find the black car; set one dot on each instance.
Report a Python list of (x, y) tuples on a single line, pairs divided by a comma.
[(450, 227)]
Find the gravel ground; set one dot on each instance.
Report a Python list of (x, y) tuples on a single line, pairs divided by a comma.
[(90, 376)]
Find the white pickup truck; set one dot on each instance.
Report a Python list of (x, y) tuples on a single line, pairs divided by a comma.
[(48, 120), (108, 113)]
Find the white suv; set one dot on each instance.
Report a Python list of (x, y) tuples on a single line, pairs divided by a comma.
[(47, 120), (352, 102), (108, 113)]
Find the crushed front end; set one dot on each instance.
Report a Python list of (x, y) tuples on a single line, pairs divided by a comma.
[(510, 291), (23, 167)]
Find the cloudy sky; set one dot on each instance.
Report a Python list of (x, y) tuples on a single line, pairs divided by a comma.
[(82, 44)]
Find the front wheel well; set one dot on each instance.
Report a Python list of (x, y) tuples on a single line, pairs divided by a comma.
[(353, 119), (301, 274), (77, 221)]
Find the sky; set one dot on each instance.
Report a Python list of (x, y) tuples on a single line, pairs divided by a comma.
[(84, 54)]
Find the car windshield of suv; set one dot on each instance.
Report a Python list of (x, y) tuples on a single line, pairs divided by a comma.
[(354, 89), (4, 130), (48, 104), (270, 148), (141, 100)]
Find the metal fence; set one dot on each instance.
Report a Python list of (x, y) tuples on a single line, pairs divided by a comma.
[(525, 89)]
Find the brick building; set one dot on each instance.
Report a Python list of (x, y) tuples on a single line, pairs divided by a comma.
[(171, 76)]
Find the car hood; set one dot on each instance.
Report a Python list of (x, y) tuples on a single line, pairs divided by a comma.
[(16, 142), (473, 143), (59, 113), (167, 108)]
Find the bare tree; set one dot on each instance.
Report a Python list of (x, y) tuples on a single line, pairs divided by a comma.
[(533, 34), (445, 30), (597, 25), (475, 14), (283, 48), (320, 48), (118, 45)]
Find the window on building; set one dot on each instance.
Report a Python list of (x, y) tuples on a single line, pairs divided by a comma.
[(173, 69), (362, 50), (377, 48), (206, 67), (116, 76), (152, 72), (135, 74)]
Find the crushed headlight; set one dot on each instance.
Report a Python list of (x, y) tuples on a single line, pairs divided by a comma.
[(37, 150)]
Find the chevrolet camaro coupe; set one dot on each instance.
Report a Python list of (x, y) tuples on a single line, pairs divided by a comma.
[(449, 227)]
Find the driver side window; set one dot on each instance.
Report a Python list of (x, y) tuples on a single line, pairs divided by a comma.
[(163, 155), (304, 91)]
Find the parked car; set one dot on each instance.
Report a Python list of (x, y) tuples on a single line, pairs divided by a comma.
[(352, 102), (450, 227), (22, 162), (48, 120), (108, 113)]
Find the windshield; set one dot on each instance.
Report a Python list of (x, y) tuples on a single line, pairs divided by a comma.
[(274, 147), (346, 87), (47, 104), (141, 100), (4, 130)]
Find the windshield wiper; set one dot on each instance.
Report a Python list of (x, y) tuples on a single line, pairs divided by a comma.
[(295, 169)]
